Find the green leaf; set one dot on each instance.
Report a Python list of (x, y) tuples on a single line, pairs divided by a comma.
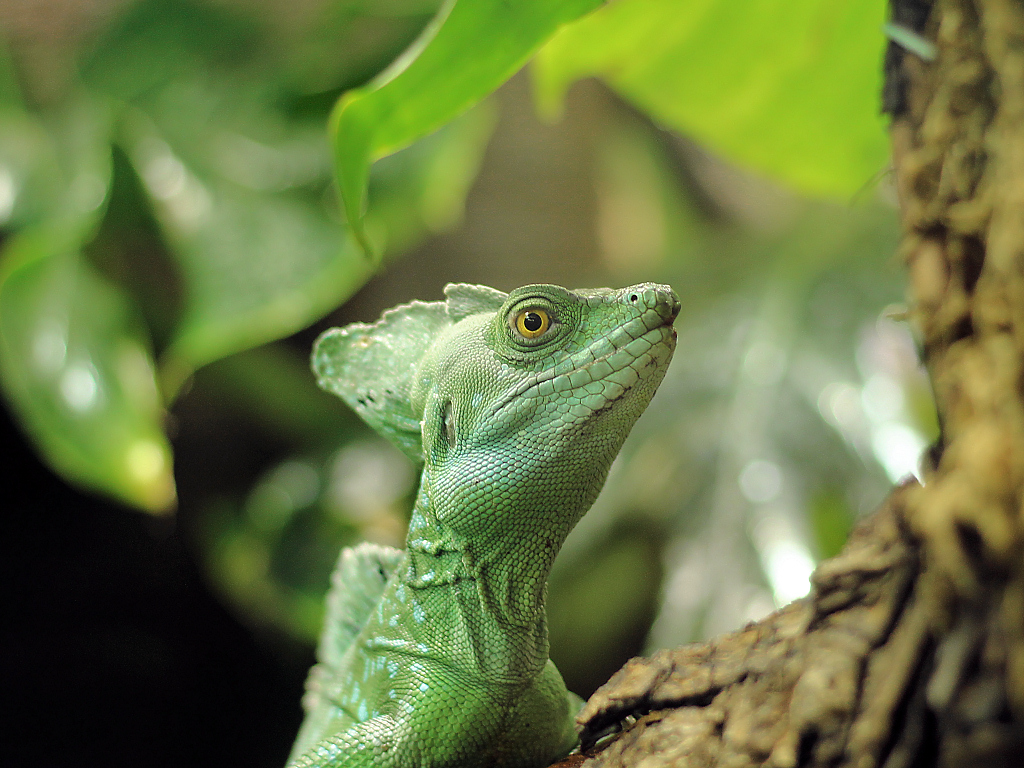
[(29, 177), (239, 175), (788, 88), (74, 359), (155, 44), (345, 43), (55, 168), (75, 365), (257, 268), (469, 49), (250, 228), (237, 188), (244, 202), (422, 189)]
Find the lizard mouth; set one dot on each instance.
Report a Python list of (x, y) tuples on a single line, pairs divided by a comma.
[(607, 368)]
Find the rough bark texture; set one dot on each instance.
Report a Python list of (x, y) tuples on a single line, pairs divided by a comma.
[(910, 649)]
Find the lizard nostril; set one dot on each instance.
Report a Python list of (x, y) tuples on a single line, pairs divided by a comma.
[(661, 298), (668, 304)]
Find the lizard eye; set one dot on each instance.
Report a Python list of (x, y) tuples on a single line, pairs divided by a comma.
[(532, 323)]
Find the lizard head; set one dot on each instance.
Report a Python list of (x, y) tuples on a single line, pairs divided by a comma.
[(547, 362), (532, 401), (524, 397)]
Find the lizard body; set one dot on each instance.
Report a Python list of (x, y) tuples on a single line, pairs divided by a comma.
[(516, 404)]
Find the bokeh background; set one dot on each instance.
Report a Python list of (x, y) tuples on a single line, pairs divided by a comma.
[(176, 489)]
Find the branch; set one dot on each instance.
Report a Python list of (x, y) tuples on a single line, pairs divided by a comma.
[(796, 687)]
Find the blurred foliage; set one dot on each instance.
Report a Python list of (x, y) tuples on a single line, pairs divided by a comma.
[(168, 219), (469, 49), (180, 174), (787, 89)]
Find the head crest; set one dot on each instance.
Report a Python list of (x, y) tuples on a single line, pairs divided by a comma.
[(371, 366)]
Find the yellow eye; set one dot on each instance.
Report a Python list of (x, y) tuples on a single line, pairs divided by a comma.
[(531, 323)]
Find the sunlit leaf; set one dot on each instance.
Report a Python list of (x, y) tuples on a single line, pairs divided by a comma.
[(29, 179), (469, 49), (75, 365), (788, 89), (74, 358)]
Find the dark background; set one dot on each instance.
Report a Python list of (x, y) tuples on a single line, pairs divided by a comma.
[(113, 650)]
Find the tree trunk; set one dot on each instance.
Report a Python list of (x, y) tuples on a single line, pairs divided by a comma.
[(910, 649)]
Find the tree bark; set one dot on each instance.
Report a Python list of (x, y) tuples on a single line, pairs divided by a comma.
[(910, 649)]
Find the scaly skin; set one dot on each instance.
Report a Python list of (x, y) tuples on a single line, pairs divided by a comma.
[(438, 655)]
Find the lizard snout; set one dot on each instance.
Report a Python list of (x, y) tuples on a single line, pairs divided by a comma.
[(661, 298)]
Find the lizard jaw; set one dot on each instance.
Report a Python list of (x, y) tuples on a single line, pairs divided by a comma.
[(606, 369)]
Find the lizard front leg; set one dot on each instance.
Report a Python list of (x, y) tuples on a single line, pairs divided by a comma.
[(440, 733), (461, 725), (366, 745)]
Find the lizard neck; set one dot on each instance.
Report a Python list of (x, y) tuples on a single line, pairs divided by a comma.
[(498, 587)]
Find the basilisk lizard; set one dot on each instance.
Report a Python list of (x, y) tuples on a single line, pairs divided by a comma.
[(516, 404)]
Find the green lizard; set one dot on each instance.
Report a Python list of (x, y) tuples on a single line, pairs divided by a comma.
[(516, 404)]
